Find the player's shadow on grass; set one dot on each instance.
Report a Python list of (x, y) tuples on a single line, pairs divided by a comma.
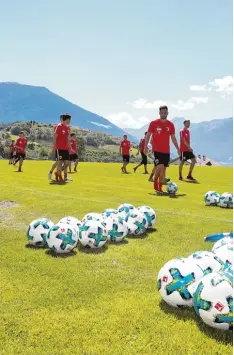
[(62, 256), (191, 182), (142, 236), (52, 183), (87, 250), (186, 313), (123, 242), (165, 194), (34, 247)]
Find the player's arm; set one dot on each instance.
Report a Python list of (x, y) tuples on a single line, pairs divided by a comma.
[(120, 149), (174, 141), (55, 140), (147, 140)]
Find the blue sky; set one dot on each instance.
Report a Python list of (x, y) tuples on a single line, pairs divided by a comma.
[(121, 59)]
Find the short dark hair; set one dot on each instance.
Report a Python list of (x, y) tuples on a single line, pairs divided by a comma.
[(163, 107), (73, 134), (65, 116), (125, 135), (21, 132), (146, 132)]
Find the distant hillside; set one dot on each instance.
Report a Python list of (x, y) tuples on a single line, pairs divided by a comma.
[(32, 103), (211, 138)]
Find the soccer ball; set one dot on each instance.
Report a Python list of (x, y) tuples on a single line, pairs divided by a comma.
[(213, 300), (225, 253), (172, 188), (150, 215), (176, 281), (73, 221), (92, 217), (109, 212), (208, 261), (125, 209), (92, 234), (38, 231), (226, 200), (211, 198), (116, 229), (137, 223), (221, 242), (62, 238)]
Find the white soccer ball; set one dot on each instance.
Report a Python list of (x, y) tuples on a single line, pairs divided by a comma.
[(116, 229), (208, 261), (92, 234), (225, 253), (172, 188), (137, 223), (213, 300), (226, 200), (150, 215), (109, 212), (62, 238), (211, 198), (221, 242), (92, 217), (38, 230), (125, 209), (176, 281), (73, 221)]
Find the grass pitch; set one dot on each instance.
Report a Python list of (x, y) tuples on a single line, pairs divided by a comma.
[(103, 303)]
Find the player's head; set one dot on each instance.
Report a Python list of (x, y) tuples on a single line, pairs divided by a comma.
[(146, 133), (163, 112), (73, 135), (22, 134), (187, 123), (125, 137), (65, 119)]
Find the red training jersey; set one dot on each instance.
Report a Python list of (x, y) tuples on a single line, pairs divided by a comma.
[(21, 144), (142, 145), (125, 145), (184, 135), (63, 133), (161, 132), (73, 146), (12, 148)]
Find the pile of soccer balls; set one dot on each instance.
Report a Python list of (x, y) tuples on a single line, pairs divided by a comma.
[(204, 280), (212, 198), (93, 231)]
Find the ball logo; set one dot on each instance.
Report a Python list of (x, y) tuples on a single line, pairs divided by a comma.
[(165, 278), (167, 129), (219, 306), (62, 230)]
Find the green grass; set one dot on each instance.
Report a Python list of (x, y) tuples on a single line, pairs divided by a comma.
[(102, 303)]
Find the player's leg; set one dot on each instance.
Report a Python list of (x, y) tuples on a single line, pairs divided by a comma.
[(164, 159), (151, 178), (53, 167), (70, 165), (145, 162), (21, 160), (181, 167), (76, 164), (136, 167), (66, 159), (193, 162)]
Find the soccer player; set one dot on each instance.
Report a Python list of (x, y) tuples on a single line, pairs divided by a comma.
[(61, 143), (161, 131), (124, 149), (186, 151), (12, 150), (20, 147), (73, 152), (144, 160)]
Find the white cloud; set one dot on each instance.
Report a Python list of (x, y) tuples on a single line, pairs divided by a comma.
[(199, 100), (223, 85), (143, 103), (183, 105), (197, 88), (126, 120)]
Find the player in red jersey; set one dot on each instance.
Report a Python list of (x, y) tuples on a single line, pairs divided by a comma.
[(125, 147), (144, 160), (161, 131), (73, 152), (12, 151), (186, 151), (61, 147), (20, 147), (54, 166)]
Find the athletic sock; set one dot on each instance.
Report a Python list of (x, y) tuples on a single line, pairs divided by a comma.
[(155, 184)]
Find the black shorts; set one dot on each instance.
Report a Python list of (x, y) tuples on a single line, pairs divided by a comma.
[(144, 160), (20, 156), (126, 158), (161, 158), (73, 157), (12, 155), (62, 155), (186, 156)]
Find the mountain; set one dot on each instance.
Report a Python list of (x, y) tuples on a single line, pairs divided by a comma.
[(210, 138), (33, 103)]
